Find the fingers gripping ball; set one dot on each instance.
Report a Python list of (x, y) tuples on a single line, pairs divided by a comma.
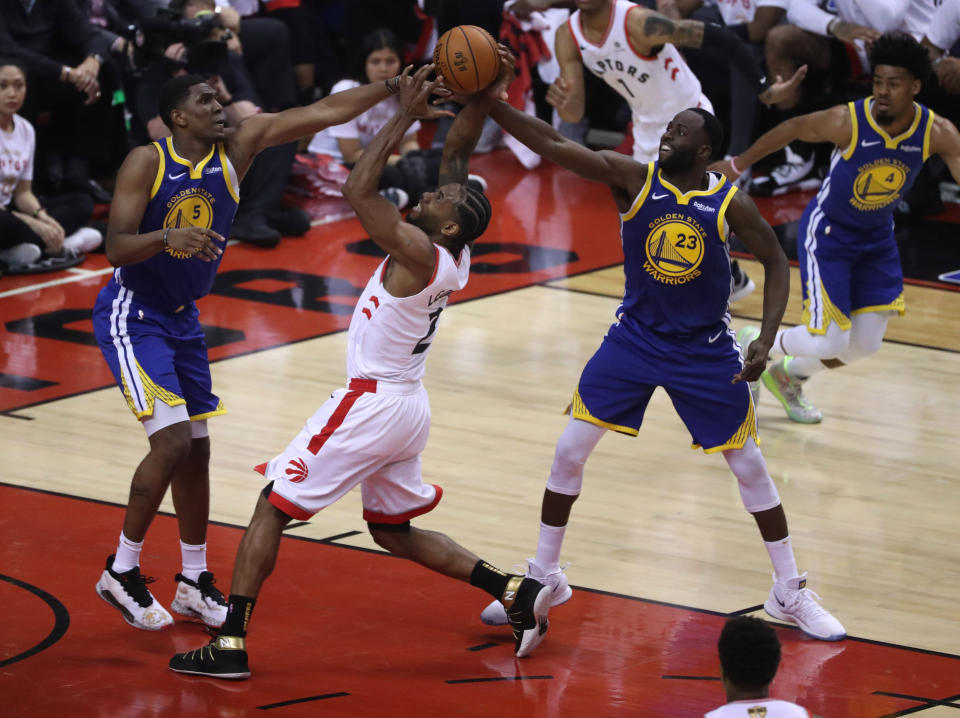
[(466, 56)]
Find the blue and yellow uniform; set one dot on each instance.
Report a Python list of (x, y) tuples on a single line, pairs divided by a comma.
[(848, 256), (673, 325), (145, 318)]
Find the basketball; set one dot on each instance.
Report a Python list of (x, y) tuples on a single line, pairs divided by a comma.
[(466, 57)]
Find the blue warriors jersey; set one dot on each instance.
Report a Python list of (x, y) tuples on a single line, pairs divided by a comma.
[(869, 177), (676, 260), (183, 196)]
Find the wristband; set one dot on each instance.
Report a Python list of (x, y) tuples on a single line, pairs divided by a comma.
[(166, 244), (733, 166), (37, 211), (393, 90)]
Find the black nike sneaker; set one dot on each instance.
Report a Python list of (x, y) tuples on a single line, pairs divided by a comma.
[(223, 657), (527, 603)]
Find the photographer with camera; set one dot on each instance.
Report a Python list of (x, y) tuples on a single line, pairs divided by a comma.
[(192, 37)]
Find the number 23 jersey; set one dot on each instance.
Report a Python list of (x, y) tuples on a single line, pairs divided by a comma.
[(389, 336), (676, 261)]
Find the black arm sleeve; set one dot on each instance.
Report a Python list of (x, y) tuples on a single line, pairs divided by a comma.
[(728, 43)]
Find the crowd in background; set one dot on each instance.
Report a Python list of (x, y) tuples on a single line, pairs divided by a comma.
[(92, 70)]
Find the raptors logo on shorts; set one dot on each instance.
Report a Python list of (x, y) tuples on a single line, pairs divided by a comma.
[(297, 471)]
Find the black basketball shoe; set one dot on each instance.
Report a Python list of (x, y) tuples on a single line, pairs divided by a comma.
[(527, 602), (223, 657)]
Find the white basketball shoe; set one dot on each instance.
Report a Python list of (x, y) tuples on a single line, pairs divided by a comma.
[(496, 615), (792, 601), (200, 599), (128, 593)]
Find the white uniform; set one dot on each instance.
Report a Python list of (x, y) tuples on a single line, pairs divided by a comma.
[(767, 708), (16, 157), (736, 12), (373, 431), (944, 29), (656, 88)]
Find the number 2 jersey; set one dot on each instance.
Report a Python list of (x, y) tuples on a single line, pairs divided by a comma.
[(676, 260), (389, 337), (869, 177)]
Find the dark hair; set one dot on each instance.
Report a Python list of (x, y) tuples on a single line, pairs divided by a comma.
[(379, 39), (474, 214), (14, 62), (749, 652), (713, 128), (173, 92), (899, 50)]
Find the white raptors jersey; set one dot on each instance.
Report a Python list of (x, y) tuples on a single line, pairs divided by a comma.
[(765, 708), (656, 88), (389, 336)]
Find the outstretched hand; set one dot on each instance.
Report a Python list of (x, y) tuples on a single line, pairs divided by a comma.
[(755, 361), (414, 92), (781, 90)]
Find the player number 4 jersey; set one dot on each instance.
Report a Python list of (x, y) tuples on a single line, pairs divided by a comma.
[(389, 336)]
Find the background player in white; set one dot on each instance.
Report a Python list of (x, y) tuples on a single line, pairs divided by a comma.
[(633, 50), (373, 432), (749, 657)]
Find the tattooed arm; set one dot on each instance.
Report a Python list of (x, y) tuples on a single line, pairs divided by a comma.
[(649, 31)]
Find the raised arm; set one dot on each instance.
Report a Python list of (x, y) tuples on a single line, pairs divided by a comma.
[(831, 125), (258, 132), (404, 242), (945, 141), (752, 229), (124, 243), (612, 168), (649, 30)]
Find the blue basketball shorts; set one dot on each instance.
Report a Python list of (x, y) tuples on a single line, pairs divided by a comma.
[(845, 271), (154, 354), (695, 371)]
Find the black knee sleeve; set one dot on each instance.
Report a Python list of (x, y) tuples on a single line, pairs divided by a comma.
[(403, 528)]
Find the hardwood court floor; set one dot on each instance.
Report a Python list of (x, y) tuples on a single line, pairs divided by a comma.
[(659, 545)]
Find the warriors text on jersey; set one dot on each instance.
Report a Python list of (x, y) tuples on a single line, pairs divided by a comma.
[(676, 259), (183, 196), (870, 176), (654, 87), (389, 336)]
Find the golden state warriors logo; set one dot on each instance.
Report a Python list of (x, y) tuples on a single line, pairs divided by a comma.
[(674, 248), (192, 207), (878, 184)]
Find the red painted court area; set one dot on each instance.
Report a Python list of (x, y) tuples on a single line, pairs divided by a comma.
[(343, 632)]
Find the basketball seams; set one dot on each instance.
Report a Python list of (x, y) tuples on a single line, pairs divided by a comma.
[(473, 59)]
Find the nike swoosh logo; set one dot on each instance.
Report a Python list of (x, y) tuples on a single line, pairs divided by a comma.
[(658, 196), (714, 338), (175, 177), (869, 144)]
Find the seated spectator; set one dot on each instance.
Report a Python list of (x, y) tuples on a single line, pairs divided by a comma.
[(28, 228), (70, 101), (749, 657), (378, 59)]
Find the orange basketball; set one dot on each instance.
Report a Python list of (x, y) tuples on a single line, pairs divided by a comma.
[(466, 56)]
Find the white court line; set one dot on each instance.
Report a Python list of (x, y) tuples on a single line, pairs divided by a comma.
[(54, 282)]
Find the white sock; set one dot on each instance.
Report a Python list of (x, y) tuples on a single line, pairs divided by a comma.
[(194, 559), (128, 554), (548, 547), (781, 555), (804, 367)]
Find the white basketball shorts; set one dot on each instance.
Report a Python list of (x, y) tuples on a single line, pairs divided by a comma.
[(372, 434)]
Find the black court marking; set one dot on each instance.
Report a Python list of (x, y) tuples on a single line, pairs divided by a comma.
[(23, 383), (926, 703), (690, 678), (60, 624), (281, 704), (483, 646), (337, 537), (296, 525), (11, 415), (584, 589), (500, 678), (745, 611)]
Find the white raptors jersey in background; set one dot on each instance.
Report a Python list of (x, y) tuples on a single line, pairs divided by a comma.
[(764, 708), (655, 87), (390, 336)]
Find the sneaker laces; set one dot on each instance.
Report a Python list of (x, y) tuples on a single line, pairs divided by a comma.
[(136, 586), (208, 590), (805, 605), (792, 388)]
